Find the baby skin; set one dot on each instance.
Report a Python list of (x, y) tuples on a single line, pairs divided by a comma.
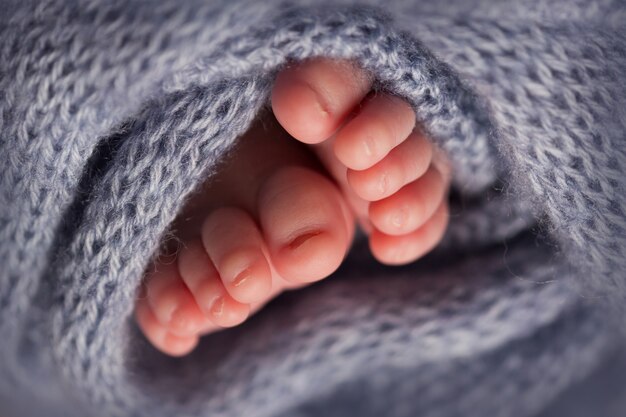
[(280, 211)]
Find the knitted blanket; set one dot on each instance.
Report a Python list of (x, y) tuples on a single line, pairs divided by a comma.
[(112, 112)]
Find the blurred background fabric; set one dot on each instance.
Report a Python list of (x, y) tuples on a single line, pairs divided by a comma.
[(113, 112)]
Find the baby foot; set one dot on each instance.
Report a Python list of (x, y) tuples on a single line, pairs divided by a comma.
[(390, 173), (267, 221)]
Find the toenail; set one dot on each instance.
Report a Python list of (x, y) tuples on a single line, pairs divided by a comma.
[(242, 277), (383, 184), (320, 103), (322, 110), (303, 238), (180, 320), (217, 306), (399, 218), (168, 310), (368, 146)]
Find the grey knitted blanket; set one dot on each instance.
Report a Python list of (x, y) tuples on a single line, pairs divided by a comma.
[(112, 112)]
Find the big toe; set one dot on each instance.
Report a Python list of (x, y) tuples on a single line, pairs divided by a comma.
[(307, 225), (312, 99)]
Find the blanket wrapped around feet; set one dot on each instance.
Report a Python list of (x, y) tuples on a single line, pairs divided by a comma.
[(112, 112)]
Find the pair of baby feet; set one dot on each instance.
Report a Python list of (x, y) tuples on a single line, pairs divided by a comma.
[(281, 210)]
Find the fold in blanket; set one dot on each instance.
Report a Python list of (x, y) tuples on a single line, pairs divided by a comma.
[(112, 112)]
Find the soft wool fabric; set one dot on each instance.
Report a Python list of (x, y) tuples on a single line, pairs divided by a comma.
[(112, 112)]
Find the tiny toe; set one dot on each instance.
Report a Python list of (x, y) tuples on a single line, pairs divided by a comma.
[(171, 302), (383, 122), (404, 164), (236, 248), (158, 335), (203, 280), (400, 250), (179, 345), (304, 224), (313, 98), (411, 206)]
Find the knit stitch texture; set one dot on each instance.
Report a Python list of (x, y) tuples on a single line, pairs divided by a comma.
[(113, 112)]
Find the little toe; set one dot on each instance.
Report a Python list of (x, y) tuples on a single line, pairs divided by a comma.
[(236, 248), (159, 335), (312, 99), (305, 222), (171, 302), (400, 250), (203, 280), (411, 206), (383, 122), (404, 164)]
